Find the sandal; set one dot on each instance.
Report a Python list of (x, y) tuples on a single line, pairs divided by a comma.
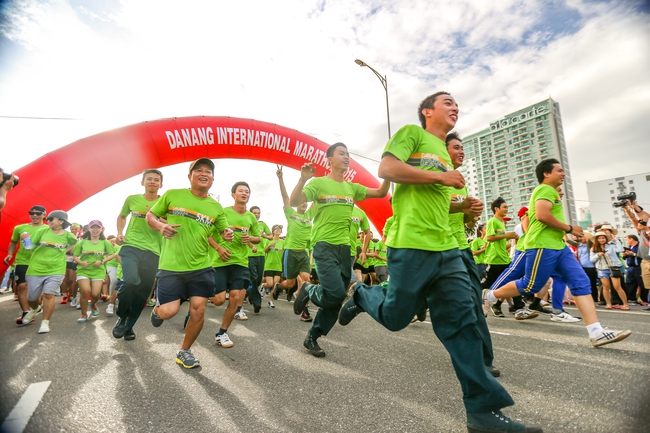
[(608, 307), (617, 307), (625, 308)]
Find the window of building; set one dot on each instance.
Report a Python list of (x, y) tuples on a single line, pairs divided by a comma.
[(647, 178), (613, 197), (616, 219), (630, 181), (611, 191), (631, 188)]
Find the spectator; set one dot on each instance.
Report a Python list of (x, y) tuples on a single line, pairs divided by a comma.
[(604, 256)]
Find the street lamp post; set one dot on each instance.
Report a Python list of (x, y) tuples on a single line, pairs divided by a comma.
[(384, 83)]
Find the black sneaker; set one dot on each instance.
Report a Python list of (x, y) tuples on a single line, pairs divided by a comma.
[(276, 291), (495, 421), (257, 308), (301, 300), (292, 290), (422, 313), (349, 311), (305, 317), (156, 321), (129, 335), (512, 309), (120, 328), (313, 347), (185, 358), (494, 371), (538, 307), (497, 311)]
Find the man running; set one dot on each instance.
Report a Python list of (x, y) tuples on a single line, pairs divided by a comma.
[(256, 259), (186, 273), (420, 243), (546, 253), (139, 252), (334, 199)]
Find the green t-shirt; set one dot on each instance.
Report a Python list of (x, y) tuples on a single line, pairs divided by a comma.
[(48, 256), (239, 223), (457, 220), (359, 221), (420, 212), (333, 206), (264, 229), (539, 234), (90, 252), (476, 245), (496, 252), (138, 233), (23, 255), (387, 226), (298, 229), (369, 260), (382, 250), (372, 246), (273, 260), (113, 262), (199, 218)]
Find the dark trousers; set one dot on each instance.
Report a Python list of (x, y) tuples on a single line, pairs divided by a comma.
[(592, 273), (256, 269), (334, 271), (632, 281), (477, 298), (441, 280), (139, 269)]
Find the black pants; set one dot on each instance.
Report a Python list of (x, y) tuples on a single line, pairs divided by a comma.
[(139, 268)]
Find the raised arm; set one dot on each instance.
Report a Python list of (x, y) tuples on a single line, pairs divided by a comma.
[(283, 188), (297, 196)]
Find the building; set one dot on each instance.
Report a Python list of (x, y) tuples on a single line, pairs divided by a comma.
[(603, 193), (500, 160)]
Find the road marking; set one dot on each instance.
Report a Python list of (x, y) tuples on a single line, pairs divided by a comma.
[(499, 333), (18, 418)]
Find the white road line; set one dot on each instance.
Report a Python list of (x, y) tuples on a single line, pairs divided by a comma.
[(499, 333), (18, 418)]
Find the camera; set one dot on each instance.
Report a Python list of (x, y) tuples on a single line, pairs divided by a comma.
[(6, 177), (624, 199)]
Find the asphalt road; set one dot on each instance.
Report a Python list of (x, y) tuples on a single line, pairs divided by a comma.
[(371, 380)]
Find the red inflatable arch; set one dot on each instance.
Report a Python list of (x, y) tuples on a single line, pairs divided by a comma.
[(55, 180)]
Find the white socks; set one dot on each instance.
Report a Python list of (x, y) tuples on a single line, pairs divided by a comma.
[(594, 329), (491, 298)]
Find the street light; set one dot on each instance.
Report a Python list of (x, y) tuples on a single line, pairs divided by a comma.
[(384, 82)]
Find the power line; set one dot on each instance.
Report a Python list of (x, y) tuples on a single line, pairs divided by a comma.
[(39, 118)]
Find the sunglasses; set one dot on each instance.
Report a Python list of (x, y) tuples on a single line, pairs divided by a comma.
[(50, 219), (36, 213)]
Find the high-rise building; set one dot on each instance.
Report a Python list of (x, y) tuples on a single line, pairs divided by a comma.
[(500, 160), (603, 194)]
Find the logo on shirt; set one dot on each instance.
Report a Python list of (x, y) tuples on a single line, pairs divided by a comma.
[(357, 220), (93, 253), (457, 198), (200, 218), (323, 199), (239, 229), (54, 245), (300, 220), (428, 160), (137, 214)]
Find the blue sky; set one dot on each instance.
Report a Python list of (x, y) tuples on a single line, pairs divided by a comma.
[(110, 64)]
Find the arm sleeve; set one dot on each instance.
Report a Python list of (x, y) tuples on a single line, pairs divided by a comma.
[(311, 190), (126, 207), (160, 208)]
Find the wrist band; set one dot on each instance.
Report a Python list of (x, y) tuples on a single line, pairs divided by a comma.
[(640, 209), (570, 229)]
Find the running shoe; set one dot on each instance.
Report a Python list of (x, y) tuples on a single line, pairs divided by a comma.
[(496, 311), (486, 304), (271, 304), (496, 421), (64, 300), (305, 317), (129, 335), (261, 290), (151, 302), (564, 317), (311, 344), (349, 311), (290, 292), (422, 314), (156, 321), (19, 321), (276, 291), (185, 358), (541, 309), (83, 318), (29, 316), (223, 340), (301, 299), (110, 310), (607, 336), (75, 301), (241, 315), (257, 308), (95, 311), (105, 298), (525, 314), (45, 327), (512, 309)]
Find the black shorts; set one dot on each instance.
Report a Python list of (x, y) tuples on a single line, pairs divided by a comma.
[(358, 266), (71, 265), (371, 268), (19, 273), (295, 262), (173, 286), (272, 273), (231, 277)]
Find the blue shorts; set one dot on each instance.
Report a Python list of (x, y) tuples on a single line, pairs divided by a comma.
[(231, 277), (172, 286), (604, 273), (514, 271), (542, 263)]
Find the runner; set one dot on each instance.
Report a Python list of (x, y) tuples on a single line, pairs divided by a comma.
[(47, 266), (21, 263), (256, 259), (139, 252), (334, 200), (231, 264), (478, 249), (69, 287), (420, 243), (185, 273), (91, 254), (273, 267), (360, 240), (546, 253), (112, 268)]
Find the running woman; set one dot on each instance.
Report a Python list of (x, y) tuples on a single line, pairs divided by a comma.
[(21, 263), (91, 255), (47, 266), (420, 243), (334, 199), (273, 265), (141, 247), (186, 273), (546, 253)]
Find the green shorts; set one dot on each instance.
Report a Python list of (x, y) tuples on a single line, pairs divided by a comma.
[(295, 262)]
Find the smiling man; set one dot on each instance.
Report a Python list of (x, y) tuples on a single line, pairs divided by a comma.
[(420, 243)]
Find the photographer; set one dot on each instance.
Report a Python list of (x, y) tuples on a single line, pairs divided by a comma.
[(639, 218), (8, 181)]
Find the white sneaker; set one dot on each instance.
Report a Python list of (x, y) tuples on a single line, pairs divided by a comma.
[(223, 340), (525, 314), (271, 304), (45, 327), (110, 309), (564, 317), (27, 318), (79, 306), (607, 336), (75, 301), (486, 304), (39, 310), (240, 315)]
